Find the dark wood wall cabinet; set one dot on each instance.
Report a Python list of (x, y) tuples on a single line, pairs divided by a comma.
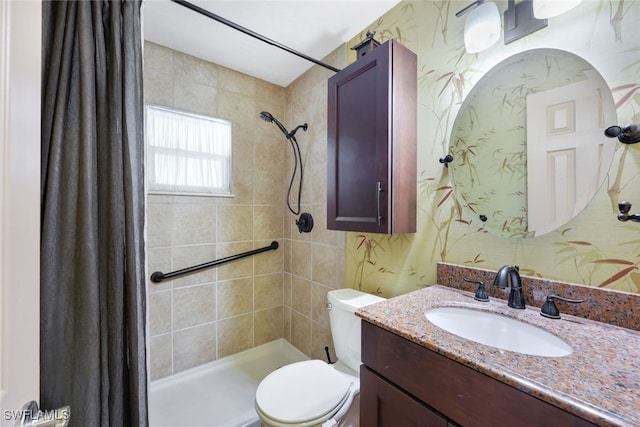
[(371, 143), (405, 384)]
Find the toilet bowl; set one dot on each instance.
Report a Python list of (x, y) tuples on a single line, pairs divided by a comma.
[(304, 394), (313, 392)]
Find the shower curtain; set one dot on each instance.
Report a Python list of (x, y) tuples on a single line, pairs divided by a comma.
[(92, 335)]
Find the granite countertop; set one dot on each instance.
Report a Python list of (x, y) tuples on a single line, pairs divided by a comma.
[(599, 381)]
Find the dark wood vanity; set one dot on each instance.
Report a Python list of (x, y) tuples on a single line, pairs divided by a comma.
[(415, 373), (404, 384)]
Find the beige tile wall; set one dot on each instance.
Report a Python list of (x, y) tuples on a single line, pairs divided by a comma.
[(212, 314), (314, 262), (205, 316)]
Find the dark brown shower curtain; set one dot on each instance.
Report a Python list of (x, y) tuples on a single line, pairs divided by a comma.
[(92, 338)]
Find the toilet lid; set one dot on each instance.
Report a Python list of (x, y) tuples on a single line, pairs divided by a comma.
[(301, 391)]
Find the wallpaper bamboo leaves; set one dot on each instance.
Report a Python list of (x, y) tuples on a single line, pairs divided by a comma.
[(594, 248)]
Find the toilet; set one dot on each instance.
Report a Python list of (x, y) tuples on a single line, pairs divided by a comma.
[(313, 392)]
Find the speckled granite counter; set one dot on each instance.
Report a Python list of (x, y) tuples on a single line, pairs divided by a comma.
[(599, 382), (604, 305)]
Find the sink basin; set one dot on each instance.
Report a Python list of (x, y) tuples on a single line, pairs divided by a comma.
[(498, 331)]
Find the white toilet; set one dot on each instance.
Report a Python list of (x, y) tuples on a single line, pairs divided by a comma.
[(313, 392)]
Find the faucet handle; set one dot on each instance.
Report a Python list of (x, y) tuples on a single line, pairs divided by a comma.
[(550, 310), (481, 293)]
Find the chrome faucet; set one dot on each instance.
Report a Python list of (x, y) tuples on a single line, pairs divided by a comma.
[(512, 274)]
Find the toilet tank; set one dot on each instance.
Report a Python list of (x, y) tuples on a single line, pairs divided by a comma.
[(345, 325)]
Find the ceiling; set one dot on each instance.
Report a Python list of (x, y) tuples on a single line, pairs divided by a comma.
[(312, 27)]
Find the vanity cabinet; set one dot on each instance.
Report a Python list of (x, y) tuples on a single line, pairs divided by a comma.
[(371, 143), (401, 380), (385, 405)]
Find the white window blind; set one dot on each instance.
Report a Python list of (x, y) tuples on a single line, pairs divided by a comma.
[(187, 153)]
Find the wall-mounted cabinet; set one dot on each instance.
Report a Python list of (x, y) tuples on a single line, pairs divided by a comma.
[(371, 146)]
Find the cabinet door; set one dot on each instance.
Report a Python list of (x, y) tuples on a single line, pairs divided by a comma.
[(371, 162), (384, 405), (357, 144)]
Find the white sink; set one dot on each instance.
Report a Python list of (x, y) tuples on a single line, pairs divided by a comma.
[(498, 331)]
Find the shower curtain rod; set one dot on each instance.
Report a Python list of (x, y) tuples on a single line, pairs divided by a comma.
[(158, 276), (251, 33)]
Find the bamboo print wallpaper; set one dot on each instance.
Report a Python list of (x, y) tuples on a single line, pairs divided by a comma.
[(594, 248), (503, 142)]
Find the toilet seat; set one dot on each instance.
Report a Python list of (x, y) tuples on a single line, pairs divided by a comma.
[(303, 393)]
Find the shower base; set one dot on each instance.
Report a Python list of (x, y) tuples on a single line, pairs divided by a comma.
[(220, 393)]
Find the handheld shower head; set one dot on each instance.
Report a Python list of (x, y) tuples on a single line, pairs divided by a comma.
[(305, 223), (267, 117)]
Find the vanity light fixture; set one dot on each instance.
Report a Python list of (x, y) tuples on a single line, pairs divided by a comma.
[(519, 20), (543, 9), (482, 27)]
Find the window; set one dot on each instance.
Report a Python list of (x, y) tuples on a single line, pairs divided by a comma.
[(187, 153)]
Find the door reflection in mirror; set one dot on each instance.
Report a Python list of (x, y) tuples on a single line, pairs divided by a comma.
[(528, 143)]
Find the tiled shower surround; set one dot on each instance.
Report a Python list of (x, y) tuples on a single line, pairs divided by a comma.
[(277, 294)]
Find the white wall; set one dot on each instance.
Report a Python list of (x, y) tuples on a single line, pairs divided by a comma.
[(20, 46)]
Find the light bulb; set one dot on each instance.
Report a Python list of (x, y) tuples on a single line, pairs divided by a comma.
[(543, 9), (482, 28)]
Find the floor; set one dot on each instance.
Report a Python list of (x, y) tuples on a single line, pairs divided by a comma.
[(218, 394)]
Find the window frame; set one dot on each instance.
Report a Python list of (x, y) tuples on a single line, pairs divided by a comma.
[(153, 187)]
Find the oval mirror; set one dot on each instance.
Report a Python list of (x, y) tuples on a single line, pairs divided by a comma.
[(528, 143)]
